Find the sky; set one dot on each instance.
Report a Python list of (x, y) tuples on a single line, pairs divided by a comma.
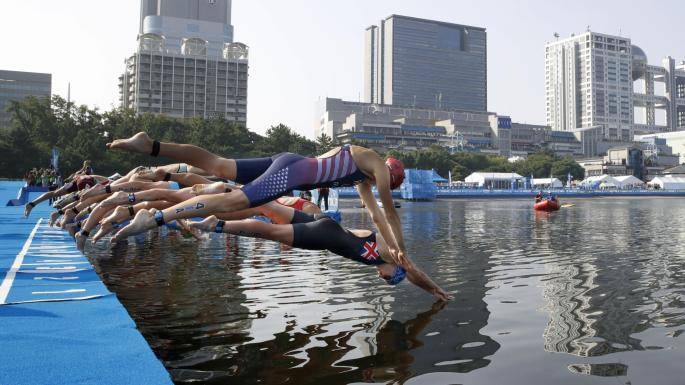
[(302, 51)]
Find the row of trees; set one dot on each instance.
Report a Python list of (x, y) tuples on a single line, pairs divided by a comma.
[(541, 164), (38, 125)]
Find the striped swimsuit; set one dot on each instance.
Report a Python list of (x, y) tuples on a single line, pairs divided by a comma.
[(266, 179)]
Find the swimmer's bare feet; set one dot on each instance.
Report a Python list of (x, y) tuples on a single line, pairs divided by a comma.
[(143, 221), (211, 188), (53, 217), (139, 142), (80, 241), (71, 228), (93, 191), (82, 214), (27, 209), (118, 198), (119, 214), (208, 224), (185, 228)]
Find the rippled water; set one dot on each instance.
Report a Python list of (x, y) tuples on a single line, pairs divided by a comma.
[(593, 294)]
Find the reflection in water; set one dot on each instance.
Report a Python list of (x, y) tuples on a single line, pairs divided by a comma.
[(599, 277), (602, 370)]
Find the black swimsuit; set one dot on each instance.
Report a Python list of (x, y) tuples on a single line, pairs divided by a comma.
[(320, 232)]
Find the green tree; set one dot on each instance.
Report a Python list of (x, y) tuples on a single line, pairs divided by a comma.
[(324, 143), (564, 166)]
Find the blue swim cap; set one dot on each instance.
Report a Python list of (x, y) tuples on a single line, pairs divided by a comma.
[(397, 277)]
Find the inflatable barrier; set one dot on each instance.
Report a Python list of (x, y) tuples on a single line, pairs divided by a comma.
[(418, 185), (23, 195)]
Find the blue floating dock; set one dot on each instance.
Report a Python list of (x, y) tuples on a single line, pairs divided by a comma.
[(23, 195), (60, 324)]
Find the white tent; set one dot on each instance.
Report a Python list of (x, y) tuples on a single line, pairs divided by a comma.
[(600, 181), (669, 182), (547, 183), (627, 181), (496, 180)]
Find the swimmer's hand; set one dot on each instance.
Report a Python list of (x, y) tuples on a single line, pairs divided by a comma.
[(442, 295)]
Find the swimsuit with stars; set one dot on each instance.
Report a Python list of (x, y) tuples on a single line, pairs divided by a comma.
[(266, 179)]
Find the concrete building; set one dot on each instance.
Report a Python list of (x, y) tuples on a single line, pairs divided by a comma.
[(180, 19), (600, 80), (623, 160), (16, 85), (413, 62), (385, 127), (186, 64), (588, 83), (675, 140)]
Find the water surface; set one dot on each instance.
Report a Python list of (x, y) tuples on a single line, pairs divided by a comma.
[(593, 294)]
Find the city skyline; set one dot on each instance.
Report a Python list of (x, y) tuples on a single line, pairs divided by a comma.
[(301, 52)]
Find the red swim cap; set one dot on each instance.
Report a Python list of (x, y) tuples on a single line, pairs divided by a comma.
[(396, 169)]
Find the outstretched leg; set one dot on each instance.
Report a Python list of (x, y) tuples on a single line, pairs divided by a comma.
[(122, 213), (200, 206), (187, 153), (249, 228), (48, 195)]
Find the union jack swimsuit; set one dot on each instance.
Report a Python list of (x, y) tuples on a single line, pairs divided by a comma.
[(320, 232)]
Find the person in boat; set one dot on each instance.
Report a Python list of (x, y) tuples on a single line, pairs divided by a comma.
[(538, 197), (320, 232), (265, 179)]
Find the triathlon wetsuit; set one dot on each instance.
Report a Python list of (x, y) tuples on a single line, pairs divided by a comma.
[(266, 179), (320, 232)]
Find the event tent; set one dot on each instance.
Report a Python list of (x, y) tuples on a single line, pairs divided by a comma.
[(669, 182), (628, 181), (495, 180), (547, 183), (600, 181)]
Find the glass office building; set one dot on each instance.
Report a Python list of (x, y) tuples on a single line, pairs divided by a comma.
[(413, 62), (16, 85)]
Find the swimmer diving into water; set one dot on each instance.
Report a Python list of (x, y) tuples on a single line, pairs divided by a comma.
[(266, 179)]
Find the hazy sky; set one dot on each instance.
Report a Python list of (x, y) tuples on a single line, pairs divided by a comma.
[(301, 51)]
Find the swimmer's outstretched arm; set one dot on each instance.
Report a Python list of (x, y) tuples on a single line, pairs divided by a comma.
[(398, 255), (420, 279)]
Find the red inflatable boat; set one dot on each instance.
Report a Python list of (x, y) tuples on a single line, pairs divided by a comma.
[(547, 205)]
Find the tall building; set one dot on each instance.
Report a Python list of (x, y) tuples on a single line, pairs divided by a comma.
[(411, 62), (591, 79), (186, 63), (588, 82), (16, 85), (178, 19)]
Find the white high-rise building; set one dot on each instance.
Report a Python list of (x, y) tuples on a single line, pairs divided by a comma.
[(588, 82), (594, 80), (186, 63)]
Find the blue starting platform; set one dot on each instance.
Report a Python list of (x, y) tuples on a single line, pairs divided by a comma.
[(23, 194), (60, 324)]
